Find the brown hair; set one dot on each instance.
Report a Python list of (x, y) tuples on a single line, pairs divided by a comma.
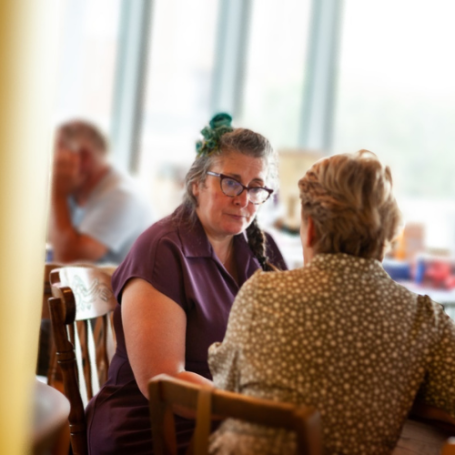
[(248, 143), (349, 198)]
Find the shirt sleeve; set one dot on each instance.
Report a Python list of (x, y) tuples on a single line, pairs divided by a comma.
[(115, 219), (225, 359), (158, 260), (439, 386)]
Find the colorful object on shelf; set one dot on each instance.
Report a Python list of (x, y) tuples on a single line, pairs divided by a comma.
[(435, 271), (397, 270)]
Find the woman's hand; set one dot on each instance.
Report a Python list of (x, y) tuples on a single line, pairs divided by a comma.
[(155, 333)]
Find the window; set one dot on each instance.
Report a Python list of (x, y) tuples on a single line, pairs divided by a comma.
[(86, 69), (396, 97), (275, 64), (177, 103)]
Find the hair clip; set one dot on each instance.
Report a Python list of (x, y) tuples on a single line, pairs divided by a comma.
[(219, 124)]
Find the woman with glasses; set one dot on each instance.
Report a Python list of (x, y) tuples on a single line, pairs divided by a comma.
[(176, 287)]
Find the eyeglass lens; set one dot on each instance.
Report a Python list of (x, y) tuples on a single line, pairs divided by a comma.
[(231, 187)]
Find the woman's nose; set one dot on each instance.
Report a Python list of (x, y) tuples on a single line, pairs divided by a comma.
[(242, 199)]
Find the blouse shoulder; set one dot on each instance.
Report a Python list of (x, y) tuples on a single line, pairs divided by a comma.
[(264, 288), (157, 251)]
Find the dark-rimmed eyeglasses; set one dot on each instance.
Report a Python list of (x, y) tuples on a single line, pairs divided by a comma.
[(232, 188)]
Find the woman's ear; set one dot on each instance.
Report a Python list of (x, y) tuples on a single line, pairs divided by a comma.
[(308, 239), (308, 232), (195, 189), (311, 232)]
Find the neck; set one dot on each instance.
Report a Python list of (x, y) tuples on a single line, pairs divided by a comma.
[(225, 253), (223, 248), (308, 255), (82, 194)]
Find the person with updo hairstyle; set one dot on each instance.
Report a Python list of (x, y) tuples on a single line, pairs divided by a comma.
[(337, 334), (177, 285)]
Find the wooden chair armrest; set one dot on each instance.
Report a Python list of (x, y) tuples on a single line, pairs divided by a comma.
[(433, 415)]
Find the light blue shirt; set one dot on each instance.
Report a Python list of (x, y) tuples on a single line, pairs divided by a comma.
[(115, 215)]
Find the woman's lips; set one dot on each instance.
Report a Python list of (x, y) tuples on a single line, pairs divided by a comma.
[(236, 216)]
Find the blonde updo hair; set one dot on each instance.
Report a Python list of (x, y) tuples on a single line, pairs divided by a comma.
[(349, 198)]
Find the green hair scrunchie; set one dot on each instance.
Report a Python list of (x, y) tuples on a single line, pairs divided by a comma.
[(219, 125)]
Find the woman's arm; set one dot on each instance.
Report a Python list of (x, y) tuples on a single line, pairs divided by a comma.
[(226, 359), (155, 331)]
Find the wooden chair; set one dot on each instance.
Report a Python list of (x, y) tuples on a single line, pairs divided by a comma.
[(47, 291), (46, 349), (436, 427), (82, 329), (165, 392), (54, 375), (47, 360)]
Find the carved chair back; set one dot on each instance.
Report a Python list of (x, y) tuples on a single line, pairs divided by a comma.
[(54, 375), (80, 310)]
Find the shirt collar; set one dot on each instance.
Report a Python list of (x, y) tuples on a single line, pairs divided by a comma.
[(192, 235), (348, 264), (195, 242)]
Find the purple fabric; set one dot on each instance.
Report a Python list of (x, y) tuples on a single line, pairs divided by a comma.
[(176, 257)]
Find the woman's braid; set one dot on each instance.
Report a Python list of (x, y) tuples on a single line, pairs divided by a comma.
[(257, 242)]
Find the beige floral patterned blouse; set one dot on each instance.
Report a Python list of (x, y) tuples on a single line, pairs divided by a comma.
[(342, 336)]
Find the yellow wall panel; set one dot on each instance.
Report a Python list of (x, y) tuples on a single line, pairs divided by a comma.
[(28, 49)]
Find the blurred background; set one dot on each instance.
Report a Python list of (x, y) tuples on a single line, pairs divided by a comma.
[(316, 77)]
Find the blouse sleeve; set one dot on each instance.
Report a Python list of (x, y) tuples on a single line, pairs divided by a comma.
[(439, 386), (159, 261), (225, 358)]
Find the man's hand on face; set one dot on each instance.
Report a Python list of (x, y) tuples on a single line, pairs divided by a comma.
[(67, 175)]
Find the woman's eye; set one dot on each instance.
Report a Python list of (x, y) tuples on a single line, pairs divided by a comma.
[(231, 183), (255, 190)]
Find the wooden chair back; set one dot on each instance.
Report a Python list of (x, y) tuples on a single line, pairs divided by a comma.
[(54, 375), (80, 310), (47, 291), (165, 392), (46, 353)]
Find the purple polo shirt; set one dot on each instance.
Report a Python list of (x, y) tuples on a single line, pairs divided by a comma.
[(175, 256)]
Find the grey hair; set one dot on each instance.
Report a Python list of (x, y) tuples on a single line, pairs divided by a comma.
[(82, 129), (240, 140)]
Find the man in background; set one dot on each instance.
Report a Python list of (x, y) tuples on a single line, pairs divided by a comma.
[(96, 212)]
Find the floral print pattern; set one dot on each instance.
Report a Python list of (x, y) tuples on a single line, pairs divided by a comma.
[(340, 335)]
